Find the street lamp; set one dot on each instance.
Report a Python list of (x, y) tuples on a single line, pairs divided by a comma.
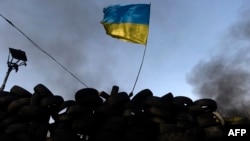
[(16, 58)]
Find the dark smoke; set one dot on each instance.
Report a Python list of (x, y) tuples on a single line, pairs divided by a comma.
[(225, 77)]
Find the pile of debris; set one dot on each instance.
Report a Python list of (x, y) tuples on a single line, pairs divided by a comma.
[(98, 116)]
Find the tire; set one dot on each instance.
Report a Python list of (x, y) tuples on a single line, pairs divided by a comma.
[(42, 131), (114, 90), (104, 95), (131, 112), (85, 125), (20, 91), (185, 121), (140, 134), (33, 126), (11, 120), (64, 107), (52, 103), (220, 118), (142, 95), (86, 92), (169, 128), (42, 90), (33, 113), (154, 101), (104, 135), (115, 124), (88, 97), (106, 111), (63, 118), (213, 132), (35, 99), (77, 110), (208, 119), (168, 98), (16, 128), (182, 102), (22, 137), (16, 104), (206, 105), (118, 100), (162, 113), (6, 100), (66, 136), (3, 115)]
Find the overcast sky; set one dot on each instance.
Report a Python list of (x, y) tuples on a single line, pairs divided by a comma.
[(183, 33)]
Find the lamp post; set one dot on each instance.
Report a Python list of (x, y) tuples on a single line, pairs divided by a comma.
[(16, 58)]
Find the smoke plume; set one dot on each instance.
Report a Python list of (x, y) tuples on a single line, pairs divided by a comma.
[(225, 77)]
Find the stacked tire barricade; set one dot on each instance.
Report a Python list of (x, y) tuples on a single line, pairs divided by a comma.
[(98, 116)]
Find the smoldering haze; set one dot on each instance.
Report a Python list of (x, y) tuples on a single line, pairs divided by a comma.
[(225, 77)]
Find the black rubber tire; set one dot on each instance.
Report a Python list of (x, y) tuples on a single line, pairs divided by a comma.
[(33, 126), (88, 97), (35, 99), (59, 127), (42, 131), (174, 136), (6, 137), (66, 136), (106, 111), (3, 115), (195, 133), (16, 104), (64, 118), (104, 95), (130, 112), (154, 101), (213, 132), (140, 134), (162, 113), (182, 102), (169, 128), (20, 91), (142, 95), (82, 93), (208, 119), (206, 104), (63, 108), (33, 113), (11, 120), (52, 103), (85, 125), (168, 98), (116, 124), (159, 120), (6, 100), (185, 121), (22, 137), (118, 100), (77, 110), (42, 90), (5, 93), (105, 135), (114, 90), (16, 128)]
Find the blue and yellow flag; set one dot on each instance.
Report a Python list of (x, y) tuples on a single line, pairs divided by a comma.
[(129, 22)]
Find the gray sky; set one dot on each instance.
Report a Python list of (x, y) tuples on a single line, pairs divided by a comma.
[(182, 34)]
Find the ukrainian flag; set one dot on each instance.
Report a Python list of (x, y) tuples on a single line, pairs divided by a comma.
[(129, 22)]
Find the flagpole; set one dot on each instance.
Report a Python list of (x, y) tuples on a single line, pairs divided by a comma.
[(131, 94)]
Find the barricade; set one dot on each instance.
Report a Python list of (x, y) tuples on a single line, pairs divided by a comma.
[(98, 116)]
